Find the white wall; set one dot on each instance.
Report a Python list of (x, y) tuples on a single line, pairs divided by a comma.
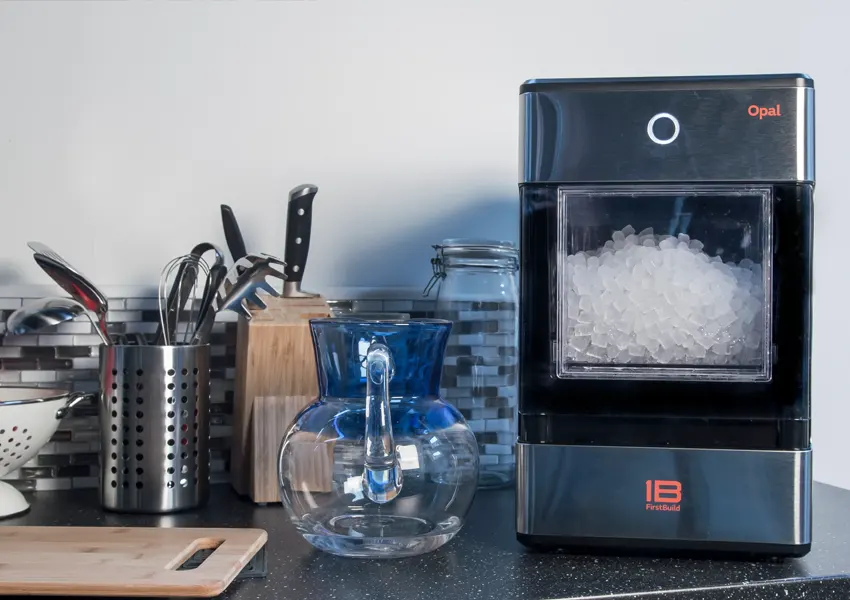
[(123, 126)]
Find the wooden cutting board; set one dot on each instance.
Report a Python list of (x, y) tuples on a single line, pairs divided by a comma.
[(122, 561)]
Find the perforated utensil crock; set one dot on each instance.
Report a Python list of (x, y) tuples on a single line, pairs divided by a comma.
[(154, 414)]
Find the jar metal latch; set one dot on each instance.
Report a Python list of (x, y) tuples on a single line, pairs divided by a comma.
[(438, 268)]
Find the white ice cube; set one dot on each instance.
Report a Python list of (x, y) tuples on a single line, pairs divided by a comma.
[(639, 271), (580, 342), (679, 337), (597, 352), (668, 243), (696, 351), (753, 340), (712, 329), (599, 304), (725, 319), (620, 302), (736, 329), (599, 339), (704, 341), (666, 341), (720, 349), (665, 355), (584, 329), (698, 318)]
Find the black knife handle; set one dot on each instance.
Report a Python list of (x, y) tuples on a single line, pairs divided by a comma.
[(235, 243), (299, 218)]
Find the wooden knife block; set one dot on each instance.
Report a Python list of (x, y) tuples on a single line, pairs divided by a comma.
[(275, 378)]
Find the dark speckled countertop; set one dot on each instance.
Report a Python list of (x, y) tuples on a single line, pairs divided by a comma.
[(485, 561)]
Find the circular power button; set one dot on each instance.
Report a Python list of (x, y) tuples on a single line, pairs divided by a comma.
[(651, 125)]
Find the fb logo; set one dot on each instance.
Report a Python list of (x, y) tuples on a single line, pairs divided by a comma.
[(663, 494)]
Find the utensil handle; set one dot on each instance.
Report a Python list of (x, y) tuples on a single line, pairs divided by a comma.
[(40, 248), (299, 221), (232, 234), (173, 303), (73, 399), (182, 287), (207, 312)]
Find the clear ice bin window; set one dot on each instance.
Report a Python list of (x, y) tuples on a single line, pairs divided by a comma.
[(664, 283)]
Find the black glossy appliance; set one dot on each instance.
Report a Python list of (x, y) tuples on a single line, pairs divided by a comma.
[(665, 330)]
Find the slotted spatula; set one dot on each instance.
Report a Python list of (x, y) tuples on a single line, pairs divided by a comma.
[(240, 286)]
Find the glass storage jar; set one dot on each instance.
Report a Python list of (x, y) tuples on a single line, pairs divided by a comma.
[(476, 284)]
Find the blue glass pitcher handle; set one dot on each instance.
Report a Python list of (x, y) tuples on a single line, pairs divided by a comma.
[(382, 475)]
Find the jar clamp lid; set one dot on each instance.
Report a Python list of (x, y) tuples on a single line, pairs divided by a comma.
[(471, 252)]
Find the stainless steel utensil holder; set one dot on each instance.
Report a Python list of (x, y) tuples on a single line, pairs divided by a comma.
[(154, 416)]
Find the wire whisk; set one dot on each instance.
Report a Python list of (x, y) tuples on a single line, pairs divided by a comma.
[(181, 280)]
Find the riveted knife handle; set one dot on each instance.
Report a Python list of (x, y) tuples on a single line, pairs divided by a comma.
[(299, 221)]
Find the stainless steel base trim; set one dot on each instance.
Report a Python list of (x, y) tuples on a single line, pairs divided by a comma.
[(677, 494)]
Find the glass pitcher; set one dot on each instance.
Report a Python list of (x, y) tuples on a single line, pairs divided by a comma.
[(379, 465)]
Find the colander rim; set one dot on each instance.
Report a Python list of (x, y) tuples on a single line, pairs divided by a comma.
[(45, 395)]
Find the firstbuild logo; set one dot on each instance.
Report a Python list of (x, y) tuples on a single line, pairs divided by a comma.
[(663, 495)]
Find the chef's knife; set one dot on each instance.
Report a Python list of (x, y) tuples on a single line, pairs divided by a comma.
[(299, 219), (235, 243)]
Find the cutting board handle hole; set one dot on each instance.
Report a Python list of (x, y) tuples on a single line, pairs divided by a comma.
[(196, 553)]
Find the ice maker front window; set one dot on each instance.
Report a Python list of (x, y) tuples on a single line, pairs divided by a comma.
[(664, 283)]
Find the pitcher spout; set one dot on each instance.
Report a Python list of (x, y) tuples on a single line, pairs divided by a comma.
[(382, 474)]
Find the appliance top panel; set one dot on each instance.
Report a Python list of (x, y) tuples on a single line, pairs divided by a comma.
[(743, 128), (654, 84)]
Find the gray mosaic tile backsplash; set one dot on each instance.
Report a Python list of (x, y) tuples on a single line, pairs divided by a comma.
[(67, 357)]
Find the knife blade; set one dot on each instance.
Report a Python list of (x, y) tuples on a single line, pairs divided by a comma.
[(299, 220), (232, 234)]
